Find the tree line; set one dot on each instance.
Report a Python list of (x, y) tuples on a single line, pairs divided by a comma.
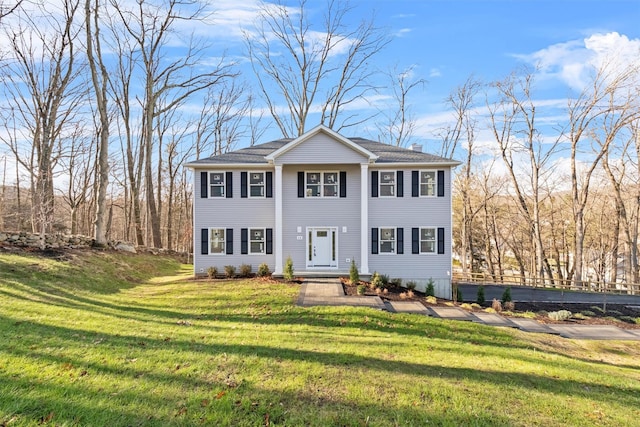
[(104, 102)]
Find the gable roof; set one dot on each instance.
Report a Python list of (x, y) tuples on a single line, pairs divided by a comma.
[(377, 152)]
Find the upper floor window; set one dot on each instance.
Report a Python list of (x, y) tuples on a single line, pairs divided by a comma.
[(387, 183), (216, 184), (427, 183), (322, 184), (256, 184)]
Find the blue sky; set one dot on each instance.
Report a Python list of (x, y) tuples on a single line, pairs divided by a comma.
[(448, 41)]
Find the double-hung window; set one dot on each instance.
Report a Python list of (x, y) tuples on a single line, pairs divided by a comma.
[(216, 184), (256, 184), (387, 240), (256, 240), (217, 241), (387, 183), (428, 183), (322, 184), (427, 240)]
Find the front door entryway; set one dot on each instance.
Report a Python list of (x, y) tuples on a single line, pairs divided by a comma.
[(322, 247)]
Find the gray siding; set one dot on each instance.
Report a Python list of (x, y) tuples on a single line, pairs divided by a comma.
[(233, 213), (321, 212), (320, 149), (408, 212)]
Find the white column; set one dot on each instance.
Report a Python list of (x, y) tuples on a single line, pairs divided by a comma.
[(277, 195), (364, 218)]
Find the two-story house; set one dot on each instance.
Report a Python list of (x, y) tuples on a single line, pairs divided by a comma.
[(325, 200)]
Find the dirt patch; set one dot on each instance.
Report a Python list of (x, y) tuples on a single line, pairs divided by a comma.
[(620, 315)]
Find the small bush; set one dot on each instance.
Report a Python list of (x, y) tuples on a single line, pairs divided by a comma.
[(263, 270), (587, 313), (245, 270), (410, 293), (509, 306), (212, 272), (597, 309), (490, 310), (376, 281), (431, 299), (480, 296), (385, 280), (396, 282), (630, 319), (354, 276), (385, 291), (411, 285), (430, 291), (229, 271), (506, 295), (403, 295), (288, 269), (560, 315), (361, 289), (579, 316), (466, 306), (476, 305), (496, 305)]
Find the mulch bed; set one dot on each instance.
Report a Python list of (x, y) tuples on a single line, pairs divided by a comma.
[(613, 314)]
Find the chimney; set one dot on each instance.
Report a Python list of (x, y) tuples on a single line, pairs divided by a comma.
[(416, 147)]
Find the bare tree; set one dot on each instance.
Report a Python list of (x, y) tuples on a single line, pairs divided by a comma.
[(43, 96), (399, 124), (325, 69)]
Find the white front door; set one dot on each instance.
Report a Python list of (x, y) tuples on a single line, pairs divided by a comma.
[(322, 247)]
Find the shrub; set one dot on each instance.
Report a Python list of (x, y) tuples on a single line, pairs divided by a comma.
[(212, 272), (480, 296), (509, 306), (229, 271), (588, 313), (376, 281), (466, 306), (431, 299), (410, 293), (288, 269), (396, 282), (411, 285), (506, 295), (403, 295), (496, 305), (354, 276), (263, 270), (385, 280), (560, 315), (430, 291), (245, 270), (361, 289)]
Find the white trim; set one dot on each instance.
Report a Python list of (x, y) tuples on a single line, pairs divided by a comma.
[(322, 184), (334, 233), (277, 194), (264, 184), (435, 241), (364, 218), (394, 186), (224, 184), (395, 240), (224, 241), (316, 130), (264, 241)]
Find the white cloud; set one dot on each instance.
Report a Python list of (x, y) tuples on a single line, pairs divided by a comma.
[(402, 32), (435, 72), (572, 62)]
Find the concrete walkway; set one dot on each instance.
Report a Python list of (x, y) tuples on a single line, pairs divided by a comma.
[(329, 292)]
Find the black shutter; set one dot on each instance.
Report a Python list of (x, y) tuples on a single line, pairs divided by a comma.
[(440, 240), (400, 184), (268, 177), (374, 183), (440, 183), (204, 244), (301, 184), (374, 241), (400, 240), (243, 185), (415, 240), (343, 184), (244, 241), (203, 185), (269, 246), (229, 181), (415, 183), (229, 236)]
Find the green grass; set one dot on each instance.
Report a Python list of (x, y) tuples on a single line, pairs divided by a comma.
[(121, 340)]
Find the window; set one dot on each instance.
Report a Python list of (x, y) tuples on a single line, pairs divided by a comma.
[(322, 184), (427, 240), (387, 184), (387, 240), (256, 240), (256, 184), (427, 183), (216, 184), (217, 241)]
